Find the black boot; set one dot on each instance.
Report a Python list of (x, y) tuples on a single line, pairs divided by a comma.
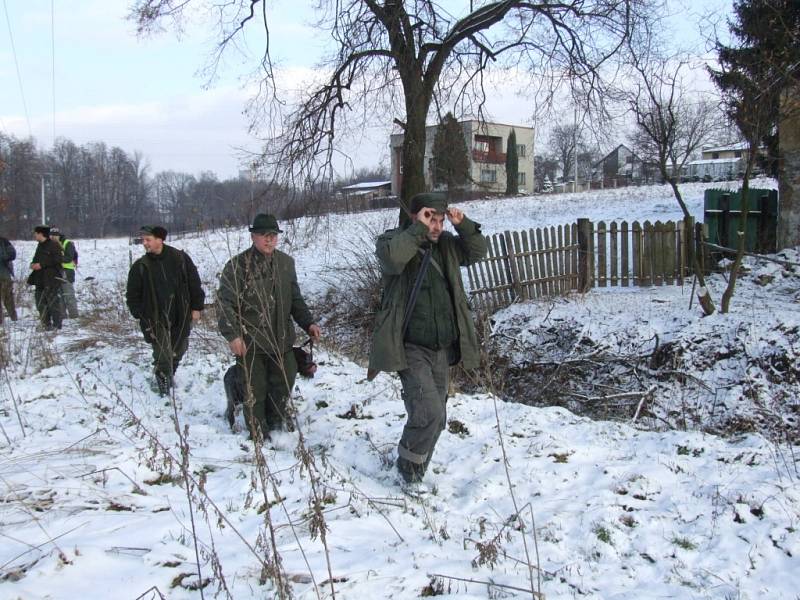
[(164, 383)]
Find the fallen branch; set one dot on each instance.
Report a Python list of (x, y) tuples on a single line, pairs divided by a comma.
[(786, 263)]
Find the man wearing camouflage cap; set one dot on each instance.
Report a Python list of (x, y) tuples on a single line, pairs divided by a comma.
[(425, 324)]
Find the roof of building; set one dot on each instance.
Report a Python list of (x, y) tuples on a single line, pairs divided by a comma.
[(712, 161), (727, 147), (602, 160), (366, 185)]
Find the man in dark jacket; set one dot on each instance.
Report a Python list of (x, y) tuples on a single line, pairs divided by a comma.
[(165, 294), (257, 300), (7, 255), (421, 335), (46, 277), (70, 304)]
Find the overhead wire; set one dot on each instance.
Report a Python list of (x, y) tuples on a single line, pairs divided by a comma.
[(53, 63), (19, 74)]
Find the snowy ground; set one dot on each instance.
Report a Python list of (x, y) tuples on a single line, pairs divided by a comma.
[(93, 504)]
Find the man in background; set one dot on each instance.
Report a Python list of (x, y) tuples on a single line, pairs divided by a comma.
[(70, 306), (46, 277), (7, 255), (165, 294)]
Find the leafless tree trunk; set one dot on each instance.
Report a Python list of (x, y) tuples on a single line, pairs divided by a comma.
[(670, 129), (396, 59)]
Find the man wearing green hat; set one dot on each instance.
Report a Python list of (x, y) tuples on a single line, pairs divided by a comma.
[(257, 300), (425, 324)]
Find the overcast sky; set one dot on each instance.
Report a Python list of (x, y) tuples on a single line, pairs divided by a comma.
[(84, 75)]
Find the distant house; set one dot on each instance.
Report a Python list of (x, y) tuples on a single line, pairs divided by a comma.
[(718, 162), (364, 195), (486, 146), (621, 165)]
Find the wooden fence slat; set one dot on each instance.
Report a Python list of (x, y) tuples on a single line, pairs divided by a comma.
[(483, 270), (659, 246), (530, 290), (562, 289), (518, 268), (614, 254), (624, 262), (549, 244), (647, 254), (534, 258), (542, 269), (602, 280), (671, 270), (636, 254), (497, 271)]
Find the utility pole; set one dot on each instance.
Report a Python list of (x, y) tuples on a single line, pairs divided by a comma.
[(575, 146), (44, 213)]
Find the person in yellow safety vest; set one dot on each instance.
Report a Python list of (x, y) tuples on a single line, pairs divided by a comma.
[(69, 265)]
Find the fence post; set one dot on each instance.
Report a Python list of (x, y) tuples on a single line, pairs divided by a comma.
[(585, 255), (687, 264)]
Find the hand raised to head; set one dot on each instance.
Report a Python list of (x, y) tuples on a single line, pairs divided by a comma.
[(455, 215), (425, 215)]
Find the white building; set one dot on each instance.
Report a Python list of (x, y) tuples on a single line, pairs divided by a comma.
[(718, 163), (486, 147)]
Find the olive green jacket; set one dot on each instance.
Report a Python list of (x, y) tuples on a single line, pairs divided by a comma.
[(249, 289), (396, 250)]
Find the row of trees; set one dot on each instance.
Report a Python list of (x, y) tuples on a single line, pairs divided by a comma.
[(94, 191)]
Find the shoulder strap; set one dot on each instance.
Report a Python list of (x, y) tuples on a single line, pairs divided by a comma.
[(412, 298), (435, 264)]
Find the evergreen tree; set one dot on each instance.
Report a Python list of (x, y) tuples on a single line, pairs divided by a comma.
[(512, 165), (759, 76), (450, 167)]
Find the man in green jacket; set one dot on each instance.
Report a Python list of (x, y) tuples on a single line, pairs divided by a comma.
[(165, 294), (46, 276), (69, 264), (421, 335), (257, 300)]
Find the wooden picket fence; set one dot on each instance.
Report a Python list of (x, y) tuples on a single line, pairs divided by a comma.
[(552, 261)]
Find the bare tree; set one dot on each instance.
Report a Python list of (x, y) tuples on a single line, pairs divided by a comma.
[(407, 57), (564, 139), (670, 129)]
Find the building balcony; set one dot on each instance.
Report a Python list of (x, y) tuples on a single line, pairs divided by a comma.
[(489, 157)]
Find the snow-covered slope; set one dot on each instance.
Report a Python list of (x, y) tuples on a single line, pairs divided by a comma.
[(93, 503)]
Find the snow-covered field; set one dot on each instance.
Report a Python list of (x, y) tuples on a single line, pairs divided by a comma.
[(94, 506)]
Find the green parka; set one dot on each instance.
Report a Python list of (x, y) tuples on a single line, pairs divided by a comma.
[(249, 288), (395, 250)]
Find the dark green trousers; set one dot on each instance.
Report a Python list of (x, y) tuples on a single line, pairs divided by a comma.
[(168, 347), (425, 383), (48, 303), (270, 378)]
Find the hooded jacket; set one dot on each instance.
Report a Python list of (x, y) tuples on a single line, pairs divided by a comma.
[(396, 250)]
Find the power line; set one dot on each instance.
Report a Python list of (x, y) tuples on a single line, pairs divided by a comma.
[(19, 75), (53, 57)]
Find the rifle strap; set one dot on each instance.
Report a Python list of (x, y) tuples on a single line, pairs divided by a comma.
[(412, 298)]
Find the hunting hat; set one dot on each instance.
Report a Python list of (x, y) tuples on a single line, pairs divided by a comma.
[(43, 229), (154, 230), (264, 223), (434, 200)]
